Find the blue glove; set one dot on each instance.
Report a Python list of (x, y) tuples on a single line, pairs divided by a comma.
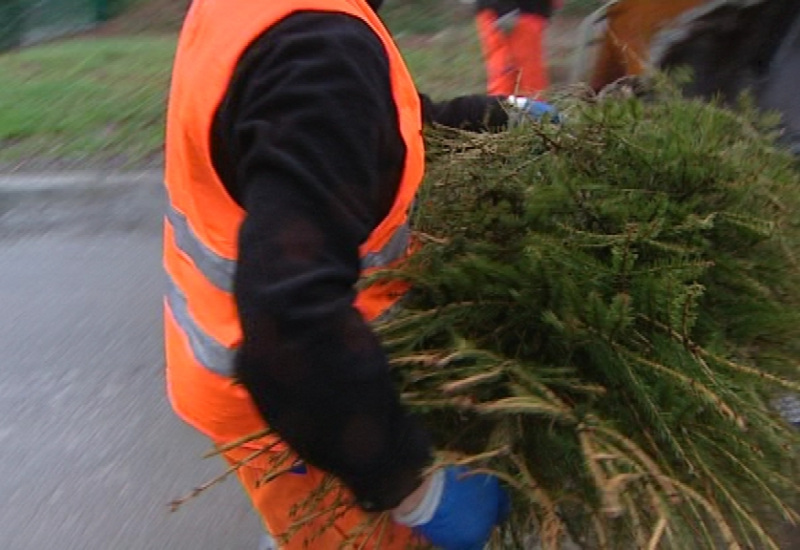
[(534, 109), (460, 509)]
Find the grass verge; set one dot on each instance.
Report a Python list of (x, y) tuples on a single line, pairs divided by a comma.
[(89, 98), (100, 99)]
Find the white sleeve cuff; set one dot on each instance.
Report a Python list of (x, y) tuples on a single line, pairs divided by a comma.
[(424, 511), (517, 101)]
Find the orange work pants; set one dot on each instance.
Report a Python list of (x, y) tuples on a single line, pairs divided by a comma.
[(515, 61), (277, 503)]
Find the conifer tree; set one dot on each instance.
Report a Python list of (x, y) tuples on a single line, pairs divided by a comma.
[(602, 313)]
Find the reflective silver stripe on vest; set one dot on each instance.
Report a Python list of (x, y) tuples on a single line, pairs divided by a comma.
[(394, 249), (218, 270), (206, 350), (390, 313)]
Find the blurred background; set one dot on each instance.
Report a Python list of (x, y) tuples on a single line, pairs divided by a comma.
[(90, 452), (84, 81)]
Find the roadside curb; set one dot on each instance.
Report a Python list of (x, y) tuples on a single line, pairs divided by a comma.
[(76, 180)]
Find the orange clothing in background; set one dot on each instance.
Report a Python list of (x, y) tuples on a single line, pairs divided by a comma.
[(515, 60)]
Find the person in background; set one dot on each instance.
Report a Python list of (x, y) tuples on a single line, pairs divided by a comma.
[(512, 36), (294, 150)]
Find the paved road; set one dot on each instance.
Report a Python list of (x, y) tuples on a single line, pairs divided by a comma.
[(90, 453)]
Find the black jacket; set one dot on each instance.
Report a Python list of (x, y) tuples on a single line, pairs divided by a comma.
[(307, 142), (502, 7)]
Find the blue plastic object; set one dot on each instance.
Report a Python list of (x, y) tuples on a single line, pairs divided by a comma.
[(539, 110), (471, 506)]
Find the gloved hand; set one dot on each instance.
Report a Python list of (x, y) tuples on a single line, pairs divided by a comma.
[(532, 109), (459, 510)]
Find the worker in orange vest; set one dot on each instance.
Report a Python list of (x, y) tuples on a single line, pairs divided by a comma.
[(512, 35), (293, 154)]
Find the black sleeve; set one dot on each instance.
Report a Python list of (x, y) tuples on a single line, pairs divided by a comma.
[(307, 141), (543, 8), (475, 113)]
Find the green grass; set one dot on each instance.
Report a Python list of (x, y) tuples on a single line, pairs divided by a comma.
[(418, 16), (101, 99), (445, 64), (89, 98), (94, 99)]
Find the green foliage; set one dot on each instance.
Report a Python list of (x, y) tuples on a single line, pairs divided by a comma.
[(607, 308)]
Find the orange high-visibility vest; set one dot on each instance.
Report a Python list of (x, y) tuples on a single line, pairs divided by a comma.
[(202, 328)]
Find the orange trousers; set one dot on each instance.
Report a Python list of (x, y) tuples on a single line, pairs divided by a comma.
[(515, 61), (280, 504)]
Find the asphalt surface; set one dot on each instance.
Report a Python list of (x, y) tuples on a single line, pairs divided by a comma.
[(90, 452)]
